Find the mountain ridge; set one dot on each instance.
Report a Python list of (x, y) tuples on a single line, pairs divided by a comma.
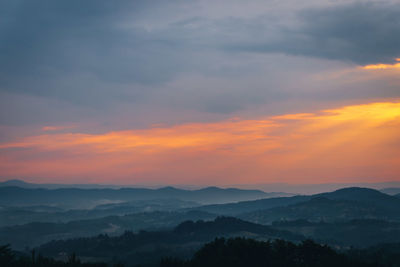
[(14, 195), (365, 195)]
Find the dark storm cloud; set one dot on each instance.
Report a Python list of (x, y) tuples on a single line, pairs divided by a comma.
[(76, 49), (362, 32), (171, 54)]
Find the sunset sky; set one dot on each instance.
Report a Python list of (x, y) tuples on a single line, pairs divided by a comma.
[(200, 92)]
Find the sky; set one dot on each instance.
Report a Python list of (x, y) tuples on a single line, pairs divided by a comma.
[(200, 92)]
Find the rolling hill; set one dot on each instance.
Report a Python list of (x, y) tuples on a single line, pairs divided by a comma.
[(89, 198), (364, 199), (323, 209), (391, 190), (360, 233), (34, 234), (22, 215), (232, 209), (150, 247)]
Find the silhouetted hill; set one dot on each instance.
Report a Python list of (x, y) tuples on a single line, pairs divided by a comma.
[(371, 198), (23, 184), (232, 252), (391, 190), (27, 214), (381, 255), (18, 183), (87, 198), (241, 252), (365, 195), (358, 233), (34, 234), (149, 247), (182, 241), (226, 225), (328, 210), (246, 206), (10, 258)]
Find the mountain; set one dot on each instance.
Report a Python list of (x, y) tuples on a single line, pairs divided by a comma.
[(34, 234), (312, 189), (247, 206), (18, 183), (23, 184), (150, 247), (227, 225), (324, 209), (359, 233), (89, 198), (242, 252), (391, 190), (366, 196), (341, 205), (183, 240), (40, 213)]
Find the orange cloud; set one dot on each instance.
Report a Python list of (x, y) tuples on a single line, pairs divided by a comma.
[(383, 66), (56, 128), (348, 144)]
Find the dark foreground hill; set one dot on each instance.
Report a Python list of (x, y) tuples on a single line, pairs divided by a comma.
[(240, 252), (149, 247), (235, 252), (35, 234), (355, 233)]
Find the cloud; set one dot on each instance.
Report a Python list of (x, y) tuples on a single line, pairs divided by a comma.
[(83, 52), (50, 128), (356, 143), (383, 66), (78, 51), (360, 32), (62, 61)]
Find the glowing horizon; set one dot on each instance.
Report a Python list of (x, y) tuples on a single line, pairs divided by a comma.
[(382, 66), (200, 92), (354, 143)]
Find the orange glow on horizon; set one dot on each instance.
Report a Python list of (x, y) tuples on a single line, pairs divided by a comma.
[(383, 66), (336, 145)]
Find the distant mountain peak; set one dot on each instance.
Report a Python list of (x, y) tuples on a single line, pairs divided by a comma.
[(16, 182), (354, 193), (211, 188), (356, 189), (169, 188)]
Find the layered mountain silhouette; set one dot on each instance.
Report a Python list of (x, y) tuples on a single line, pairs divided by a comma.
[(146, 247), (89, 198), (42, 213), (343, 204), (37, 233), (391, 190), (331, 218), (359, 233), (149, 247)]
